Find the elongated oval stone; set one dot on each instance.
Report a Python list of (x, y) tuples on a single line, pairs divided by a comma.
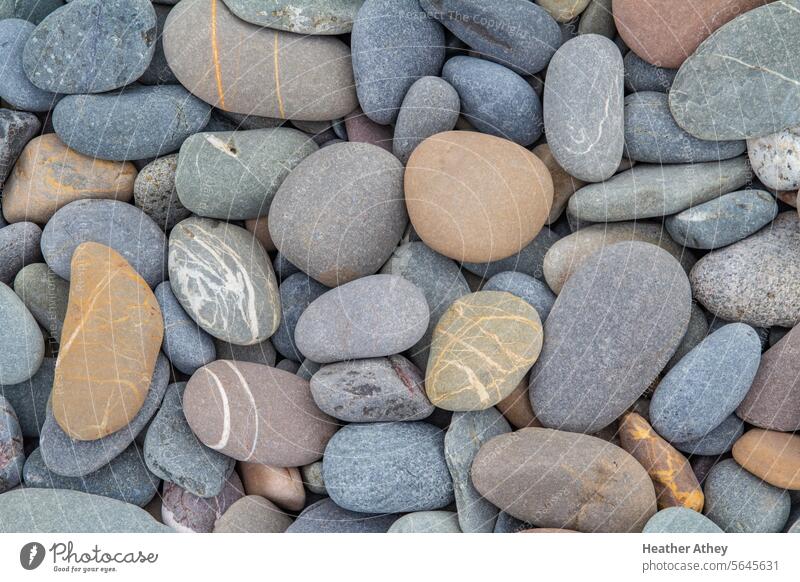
[(111, 338), (15, 87), (615, 325), (564, 480), (186, 345), (280, 75), (772, 456), (223, 278), (300, 16), (21, 340)]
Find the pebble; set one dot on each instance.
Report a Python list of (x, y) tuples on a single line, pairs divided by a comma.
[(33, 11), (16, 130), (186, 345), (598, 18), (228, 403), (441, 522), (235, 175), (388, 468), (19, 246), (64, 55), (339, 215), (564, 185), (260, 229), (642, 76), (313, 479), (516, 407), (770, 455), (564, 10), (495, 100), (561, 479), (260, 353), (362, 129), (374, 316), (615, 325), (15, 87), (453, 188), (297, 292), (716, 442), (325, 516), (533, 291), (674, 520), (529, 260), (173, 452), (431, 105), (252, 514), (158, 72), (21, 341), (45, 294), (154, 192), (12, 458), (29, 398), (223, 279), (583, 107), (775, 159), (300, 16), (283, 486), (739, 502), (185, 512), (509, 524)]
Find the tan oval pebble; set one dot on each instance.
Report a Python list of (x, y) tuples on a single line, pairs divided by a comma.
[(564, 10), (281, 485), (564, 185), (260, 229), (253, 514), (475, 197), (516, 407), (770, 455)]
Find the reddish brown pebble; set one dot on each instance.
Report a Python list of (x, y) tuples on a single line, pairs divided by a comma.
[(281, 485)]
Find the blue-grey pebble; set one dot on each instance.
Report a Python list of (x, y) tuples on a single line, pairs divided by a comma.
[(34, 11), (642, 76), (495, 100), (118, 225), (288, 365), (467, 433), (136, 123), (15, 87), (158, 72), (260, 353), (12, 458), (325, 516), (793, 523), (695, 333), (393, 44), (186, 345), (507, 523), (529, 260), (297, 291), (388, 468), (675, 520), (283, 267), (29, 398), (532, 290), (430, 106), (724, 220), (19, 246), (174, 453), (427, 522), (17, 128), (707, 385), (739, 502), (716, 323), (45, 294), (21, 340), (717, 442), (308, 369)]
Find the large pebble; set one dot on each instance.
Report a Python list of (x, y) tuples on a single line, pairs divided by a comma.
[(430, 106), (15, 87), (325, 516), (12, 458), (615, 325), (388, 468), (16, 130), (770, 455), (717, 442), (29, 398), (370, 317), (21, 341), (155, 194), (252, 514), (300, 16), (775, 159), (186, 512), (297, 292), (642, 76), (186, 345), (674, 520), (46, 296), (19, 246), (427, 522)]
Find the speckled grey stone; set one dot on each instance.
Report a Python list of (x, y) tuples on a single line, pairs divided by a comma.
[(136, 123), (372, 390), (652, 136), (495, 100), (21, 340), (12, 455), (313, 478), (439, 279), (717, 442), (430, 106), (72, 458), (260, 353), (91, 46), (529, 260), (649, 190), (534, 291), (717, 322), (374, 316), (118, 225), (159, 73), (283, 268), (186, 512), (325, 516), (297, 291), (173, 452), (29, 398), (45, 294), (155, 194), (388, 468), (17, 128), (695, 333), (15, 87), (739, 502), (509, 524), (583, 107), (33, 11), (19, 246), (393, 44), (308, 369), (707, 385), (724, 220), (642, 76), (300, 16), (427, 522), (598, 18), (680, 520), (467, 433), (186, 345)]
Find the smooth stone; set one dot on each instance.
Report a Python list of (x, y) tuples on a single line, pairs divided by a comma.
[(362, 129), (325, 516), (529, 260), (770, 455), (519, 35), (567, 255), (313, 479), (21, 341), (718, 322), (727, 284), (339, 215), (495, 100), (154, 192), (235, 175), (260, 353), (187, 513), (467, 433), (482, 347), (29, 398), (260, 229), (137, 123), (652, 136), (45, 294), (73, 458), (69, 512), (186, 345), (564, 480), (91, 46), (654, 190), (724, 220), (775, 159), (304, 78), (223, 278), (459, 183), (17, 128), (283, 486), (707, 385), (158, 72), (739, 83), (373, 390), (126, 478), (371, 317), (598, 18), (564, 185), (509, 524), (642, 76), (564, 10), (12, 458), (252, 412), (533, 291), (33, 11), (739, 502), (394, 43), (388, 468), (283, 268), (297, 292), (15, 87), (773, 401), (19, 246), (615, 325), (173, 452), (300, 16), (680, 520), (431, 105), (717, 442), (442, 522), (252, 514), (49, 175), (583, 107), (516, 407), (308, 369), (111, 339)]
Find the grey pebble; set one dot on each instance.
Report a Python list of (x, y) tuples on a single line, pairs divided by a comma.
[(12, 458), (260, 353), (532, 290), (717, 442), (430, 106), (675, 520), (529, 260), (21, 340), (642, 76), (598, 18), (29, 398), (443, 522), (15, 87), (158, 72), (313, 479), (297, 292), (17, 128), (325, 516), (695, 333), (45, 294), (155, 194), (186, 345), (19, 246)]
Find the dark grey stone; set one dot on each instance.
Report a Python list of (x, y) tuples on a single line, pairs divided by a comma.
[(283, 268), (509, 524), (325, 516), (717, 442), (308, 369), (260, 353), (15, 87), (430, 106), (21, 340), (159, 73), (288, 365), (529, 260), (598, 18), (34, 11), (155, 194), (675, 520), (17, 128), (45, 294), (29, 398), (297, 291), (186, 345), (19, 246), (427, 522), (642, 76), (12, 454), (534, 291), (695, 333)]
